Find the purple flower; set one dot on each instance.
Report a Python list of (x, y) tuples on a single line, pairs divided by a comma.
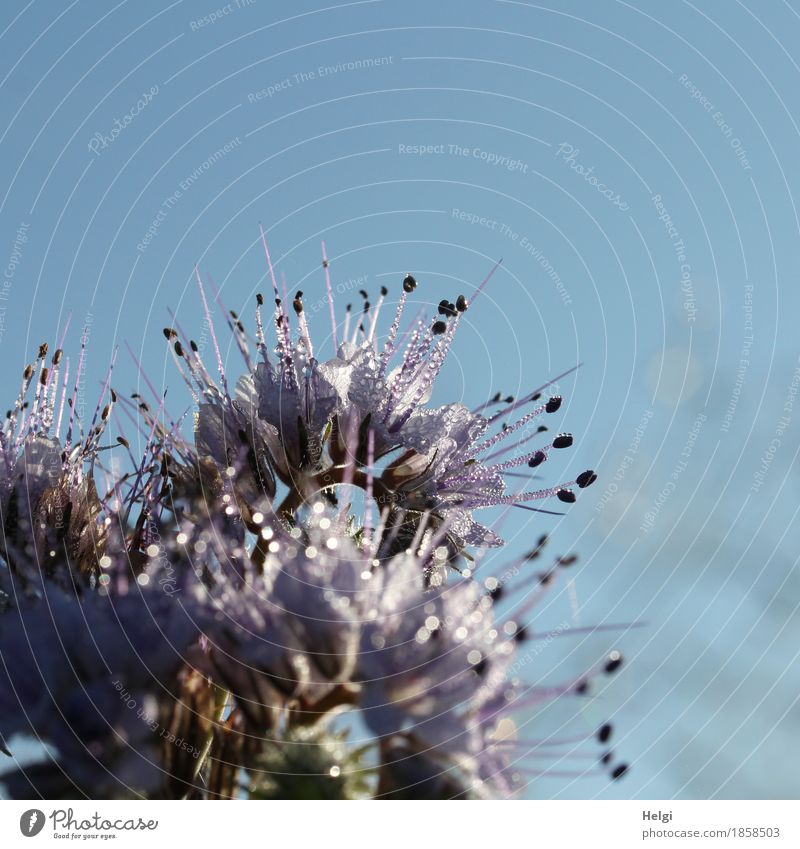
[(325, 424), (226, 587), (92, 679), (49, 504)]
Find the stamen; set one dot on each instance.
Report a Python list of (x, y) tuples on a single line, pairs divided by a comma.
[(329, 289), (210, 323)]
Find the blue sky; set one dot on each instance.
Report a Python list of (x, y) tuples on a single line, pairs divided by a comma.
[(635, 167)]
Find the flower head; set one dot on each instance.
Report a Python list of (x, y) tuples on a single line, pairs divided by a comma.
[(229, 584), (93, 679)]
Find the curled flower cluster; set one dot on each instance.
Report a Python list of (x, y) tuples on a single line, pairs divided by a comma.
[(204, 615)]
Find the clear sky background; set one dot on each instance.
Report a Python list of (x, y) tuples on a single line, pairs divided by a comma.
[(634, 164)]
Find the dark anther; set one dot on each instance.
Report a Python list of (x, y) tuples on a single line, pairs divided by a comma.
[(521, 634), (43, 377), (538, 458), (169, 333), (568, 560), (606, 759), (363, 294), (613, 663), (586, 478), (582, 688), (122, 441), (619, 771), (277, 302), (409, 284), (193, 345), (496, 591), (114, 396), (367, 305), (297, 303), (536, 397), (541, 429), (604, 732), (57, 356), (563, 440), (461, 303), (553, 404), (178, 348), (43, 350), (259, 299), (384, 291), (495, 398), (234, 316), (438, 328), (446, 308), (566, 495), (509, 399), (537, 550)]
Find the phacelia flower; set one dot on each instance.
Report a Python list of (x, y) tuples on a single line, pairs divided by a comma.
[(196, 616)]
